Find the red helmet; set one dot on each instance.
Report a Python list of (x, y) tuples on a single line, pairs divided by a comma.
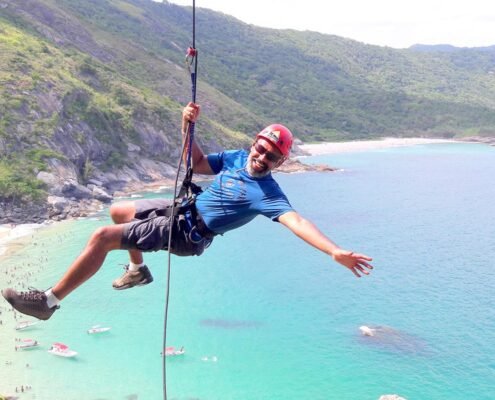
[(279, 136)]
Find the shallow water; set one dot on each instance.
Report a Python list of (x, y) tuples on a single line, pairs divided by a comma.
[(263, 316)]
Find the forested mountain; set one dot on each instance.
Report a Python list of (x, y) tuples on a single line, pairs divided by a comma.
[(93, 89)]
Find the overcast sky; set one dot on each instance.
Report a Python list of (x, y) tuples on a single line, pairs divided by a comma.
[(394, 23)]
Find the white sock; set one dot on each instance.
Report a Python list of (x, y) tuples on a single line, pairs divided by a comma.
[(51, 299), (135, 267)]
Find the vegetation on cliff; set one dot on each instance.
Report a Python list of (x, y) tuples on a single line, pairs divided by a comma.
[(99, 84)]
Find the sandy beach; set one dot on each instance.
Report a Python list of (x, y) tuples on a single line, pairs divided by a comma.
[(366, 145), (10, 234), (16, 370)]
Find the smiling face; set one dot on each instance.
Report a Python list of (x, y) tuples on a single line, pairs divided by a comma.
[(263, 158)]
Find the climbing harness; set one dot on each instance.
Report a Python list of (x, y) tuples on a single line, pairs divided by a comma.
[(184, 201)]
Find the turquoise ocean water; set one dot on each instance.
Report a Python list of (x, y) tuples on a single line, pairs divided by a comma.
[(263, 316)]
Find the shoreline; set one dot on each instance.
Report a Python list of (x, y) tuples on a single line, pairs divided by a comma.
[(12, 234), (367, 145)]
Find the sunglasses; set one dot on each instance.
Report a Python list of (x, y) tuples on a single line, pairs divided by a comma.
[(272, 157)]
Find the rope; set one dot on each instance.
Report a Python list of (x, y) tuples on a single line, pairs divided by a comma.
[(169, 261), (191, 58)]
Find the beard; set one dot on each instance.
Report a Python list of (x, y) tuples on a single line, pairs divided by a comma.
[(252, 172)]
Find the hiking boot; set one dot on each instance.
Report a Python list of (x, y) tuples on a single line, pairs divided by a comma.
[(31, 303), (133, 278)]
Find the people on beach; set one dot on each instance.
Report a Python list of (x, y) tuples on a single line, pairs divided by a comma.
[(244, 188)]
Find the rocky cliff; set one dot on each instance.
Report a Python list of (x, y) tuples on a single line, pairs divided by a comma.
[(91, 94)]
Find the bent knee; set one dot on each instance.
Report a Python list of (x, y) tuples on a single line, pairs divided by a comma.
[(122, 212), (107, 237)]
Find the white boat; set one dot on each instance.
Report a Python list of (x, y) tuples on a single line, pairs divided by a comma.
[(62, 350), (25, 324), (27, 344), (172, 351), (367, 331), (212, 358), (98, 329)]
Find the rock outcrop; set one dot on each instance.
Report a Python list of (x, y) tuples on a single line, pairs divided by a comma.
[(294, 165), (480, 139), (69, 198)]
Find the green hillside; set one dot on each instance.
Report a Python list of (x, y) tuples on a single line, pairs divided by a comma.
[(86, 82)]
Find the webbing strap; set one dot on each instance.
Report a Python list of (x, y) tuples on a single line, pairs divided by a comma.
[(185, 189)]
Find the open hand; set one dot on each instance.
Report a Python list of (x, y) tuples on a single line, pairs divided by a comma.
[(355, 262)]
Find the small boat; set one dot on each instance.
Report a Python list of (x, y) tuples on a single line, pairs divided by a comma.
[(212, 358), (367, 331), (27, 344), (172, 351), (25, 324), (62, 350), (98, 329)]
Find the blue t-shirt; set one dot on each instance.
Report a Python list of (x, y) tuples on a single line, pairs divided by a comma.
[(235, 197)]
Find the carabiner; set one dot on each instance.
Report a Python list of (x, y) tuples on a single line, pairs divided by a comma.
[(190, 57)]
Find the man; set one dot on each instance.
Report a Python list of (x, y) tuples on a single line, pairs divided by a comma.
[(243, 189)]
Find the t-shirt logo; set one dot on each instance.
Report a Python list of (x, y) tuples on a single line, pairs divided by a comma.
[(233, 185)]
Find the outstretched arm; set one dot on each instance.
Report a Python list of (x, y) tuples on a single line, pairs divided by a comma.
[(199, 159), (306, 230)]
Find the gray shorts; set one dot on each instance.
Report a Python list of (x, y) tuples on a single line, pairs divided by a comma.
[(149, 232)]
